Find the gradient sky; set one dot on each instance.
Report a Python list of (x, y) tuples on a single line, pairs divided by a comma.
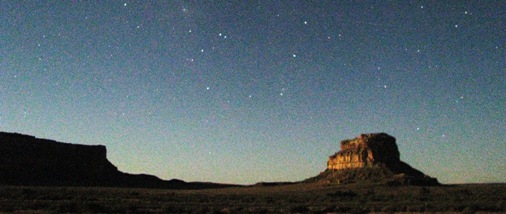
[(250, 91)]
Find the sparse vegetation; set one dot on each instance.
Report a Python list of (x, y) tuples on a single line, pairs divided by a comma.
[(295, 198)]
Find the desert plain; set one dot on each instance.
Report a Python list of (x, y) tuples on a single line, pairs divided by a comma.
[(261, 198)]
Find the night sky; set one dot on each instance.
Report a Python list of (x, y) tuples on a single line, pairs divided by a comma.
[(250, 91)]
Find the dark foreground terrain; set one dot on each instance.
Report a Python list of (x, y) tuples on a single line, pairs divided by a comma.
[(294, 198)]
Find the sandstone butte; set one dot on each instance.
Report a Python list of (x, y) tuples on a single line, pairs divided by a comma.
[(371, 157), (26, 160)]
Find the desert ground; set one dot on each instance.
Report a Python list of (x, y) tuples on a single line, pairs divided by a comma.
[(293, 198)]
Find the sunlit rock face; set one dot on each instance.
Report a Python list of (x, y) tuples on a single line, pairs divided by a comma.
[(365, 150), (371, 158)]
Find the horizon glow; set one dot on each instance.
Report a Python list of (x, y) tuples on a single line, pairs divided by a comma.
[(251, 91)]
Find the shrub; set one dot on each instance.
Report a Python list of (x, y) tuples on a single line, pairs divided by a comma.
[(299, 209), (343, 194)]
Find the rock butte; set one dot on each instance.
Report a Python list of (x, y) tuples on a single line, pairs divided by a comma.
[(26, 160), (373, 157), (365, 150)]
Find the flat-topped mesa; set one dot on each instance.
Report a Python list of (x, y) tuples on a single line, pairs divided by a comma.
[(365, 150), (374, 158), (28, 160)]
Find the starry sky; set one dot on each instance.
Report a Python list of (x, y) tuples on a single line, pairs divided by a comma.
[(249, 91)]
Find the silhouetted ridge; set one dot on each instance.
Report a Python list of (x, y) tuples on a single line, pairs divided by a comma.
[(26, 160)]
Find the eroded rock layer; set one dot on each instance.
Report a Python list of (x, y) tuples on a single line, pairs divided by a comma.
[(374, 157), (365, 150)]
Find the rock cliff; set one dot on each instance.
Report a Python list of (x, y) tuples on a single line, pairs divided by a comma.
[(365, 150), (26, 160), (373, 157)]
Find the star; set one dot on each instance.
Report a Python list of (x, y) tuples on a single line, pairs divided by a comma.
[(167, 58)]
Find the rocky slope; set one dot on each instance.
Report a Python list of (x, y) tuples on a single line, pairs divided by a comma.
[(26, 160), (371, 157)]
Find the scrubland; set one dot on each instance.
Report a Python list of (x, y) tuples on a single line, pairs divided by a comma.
[(293, 198)]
